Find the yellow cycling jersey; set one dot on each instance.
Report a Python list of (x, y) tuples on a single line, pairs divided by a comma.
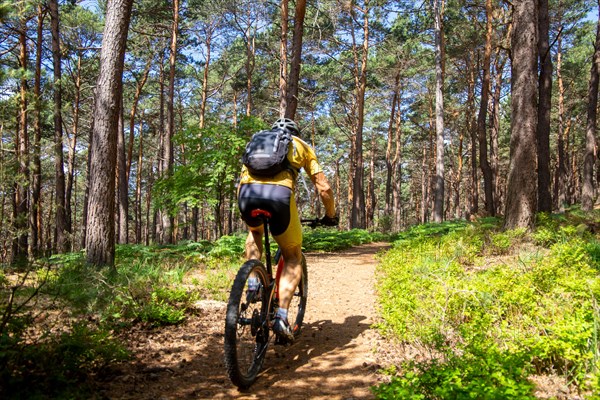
[(300, 155)]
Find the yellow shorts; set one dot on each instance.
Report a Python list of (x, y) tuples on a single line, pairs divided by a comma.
[(292, 236), (281, 203)]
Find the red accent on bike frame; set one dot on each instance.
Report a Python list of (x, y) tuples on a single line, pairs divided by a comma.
[(258, 213), (277, 276)]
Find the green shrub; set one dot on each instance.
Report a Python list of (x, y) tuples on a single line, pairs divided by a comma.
[(228, 246), (327, 239), (57, 366), (534, 311), (478, 374)]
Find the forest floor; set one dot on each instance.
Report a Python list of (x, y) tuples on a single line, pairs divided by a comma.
[(338, 356)]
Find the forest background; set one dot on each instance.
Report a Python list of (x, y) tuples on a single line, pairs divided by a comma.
[(124, 122), (410, 106)]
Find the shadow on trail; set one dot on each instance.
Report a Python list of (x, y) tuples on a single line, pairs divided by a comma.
[(317, 358), (175, 364)]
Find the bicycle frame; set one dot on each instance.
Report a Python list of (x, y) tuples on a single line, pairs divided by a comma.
[(249, 318), (266, 216)]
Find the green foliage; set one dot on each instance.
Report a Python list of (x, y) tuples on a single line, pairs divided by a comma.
[(491, 322), (325, 239), (228, 247), (210, 168), (162, 307), (56, 366), (480, 374)]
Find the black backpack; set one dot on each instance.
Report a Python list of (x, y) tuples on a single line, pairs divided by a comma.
[(266, 152)]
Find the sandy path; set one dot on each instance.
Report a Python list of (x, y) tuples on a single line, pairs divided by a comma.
[(333, 359)]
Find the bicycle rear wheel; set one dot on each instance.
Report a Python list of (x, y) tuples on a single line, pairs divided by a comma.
[(246, 324), (297, 305)]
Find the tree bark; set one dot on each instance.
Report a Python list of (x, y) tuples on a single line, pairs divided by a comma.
[(122, 183), (36, 184), (495, 132), (438, 207), (561, 175), (100, 233), (138, 187), (167, 221), (390, 144), (588, 190), (136, 99), (61, 232), (544, 107), (20, 200), (521, 198), (372, 198), (472, 128), (358, 219), (294, 78), (397, 177), (283, 62), (70, 178), (484, 164)]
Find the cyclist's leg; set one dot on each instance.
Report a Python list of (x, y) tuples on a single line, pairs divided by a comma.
[(290, 277), (290, 243), (254, 243)]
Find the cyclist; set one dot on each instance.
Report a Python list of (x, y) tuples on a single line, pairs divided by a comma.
[(276, 195)]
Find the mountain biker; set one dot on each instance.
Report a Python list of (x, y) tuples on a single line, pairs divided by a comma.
[(276, 195)]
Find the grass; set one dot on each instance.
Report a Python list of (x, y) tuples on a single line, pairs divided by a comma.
[(60, 319), (493, 307)]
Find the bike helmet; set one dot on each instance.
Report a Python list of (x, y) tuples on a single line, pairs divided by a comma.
[(286, 124)]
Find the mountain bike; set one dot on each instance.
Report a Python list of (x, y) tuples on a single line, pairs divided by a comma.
[(253, 303)]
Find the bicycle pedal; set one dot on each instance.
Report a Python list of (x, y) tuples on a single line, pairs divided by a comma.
[(283, 341)]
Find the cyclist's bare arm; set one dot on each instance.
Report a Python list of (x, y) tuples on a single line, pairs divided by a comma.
[(325, 192)]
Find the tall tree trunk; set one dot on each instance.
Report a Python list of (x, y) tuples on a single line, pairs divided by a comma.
[(495, 131), (458, 180), (136, 99), (61, 234), (100, 234), (472, 127), (371, 198), (438, 207), (358, 199), (36, 184), (138, 186), (157, 228), (250, 61), (486, 170), (294, 78), (424, 186), (521, 197), (588, 190), (283, 62), (397, 176), (544, 106), (70, 178), (560, 177), (122, 184), (20, 202), (389, 147), (86, 195), (167, 221)]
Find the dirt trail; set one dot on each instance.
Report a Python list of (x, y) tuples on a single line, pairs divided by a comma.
[(335, 358)]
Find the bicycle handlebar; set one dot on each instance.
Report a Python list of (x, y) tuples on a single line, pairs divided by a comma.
[(311, 222)]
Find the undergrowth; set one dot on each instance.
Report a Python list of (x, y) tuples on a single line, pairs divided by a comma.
[(493, 307), (60, 319)]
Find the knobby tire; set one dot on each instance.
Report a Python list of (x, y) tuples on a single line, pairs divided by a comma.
[(246, 326)]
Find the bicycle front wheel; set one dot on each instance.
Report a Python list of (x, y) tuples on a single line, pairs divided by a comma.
[(246, 324)]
